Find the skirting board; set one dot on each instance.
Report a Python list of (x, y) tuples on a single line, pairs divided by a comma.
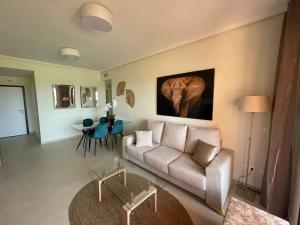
[(36, 135), (256, 189), (1, 158), (60, 139)]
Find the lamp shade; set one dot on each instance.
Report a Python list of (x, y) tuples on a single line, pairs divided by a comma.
[(255, 104)]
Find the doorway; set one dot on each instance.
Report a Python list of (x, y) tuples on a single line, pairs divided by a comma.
[(13, 113), (108, 91)]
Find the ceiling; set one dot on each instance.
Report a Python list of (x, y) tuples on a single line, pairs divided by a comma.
[(37, 29)]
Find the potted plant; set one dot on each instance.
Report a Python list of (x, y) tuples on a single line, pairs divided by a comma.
[(109, 111)]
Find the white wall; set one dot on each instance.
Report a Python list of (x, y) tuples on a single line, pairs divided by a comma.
[(55, 124), (27, 82), (245, 64)]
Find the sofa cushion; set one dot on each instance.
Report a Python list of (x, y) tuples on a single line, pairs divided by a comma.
[(174, 136), (157, 128), (208, 135), (138, 152), (188, 171), (160, 157)]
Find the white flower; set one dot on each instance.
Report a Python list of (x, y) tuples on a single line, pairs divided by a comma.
[(109, 105), (106, 107), (114, 103)]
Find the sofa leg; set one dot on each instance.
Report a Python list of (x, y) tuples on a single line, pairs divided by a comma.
[(219, 211)]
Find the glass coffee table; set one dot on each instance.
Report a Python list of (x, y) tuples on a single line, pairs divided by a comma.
[(132, 191)]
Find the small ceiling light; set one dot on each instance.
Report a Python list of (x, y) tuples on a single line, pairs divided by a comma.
[(70, 53), (95, 17)]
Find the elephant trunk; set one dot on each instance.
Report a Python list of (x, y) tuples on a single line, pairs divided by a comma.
[(176, 99)]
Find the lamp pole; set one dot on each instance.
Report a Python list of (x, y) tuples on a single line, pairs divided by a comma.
[(251, 104), (249, 150)]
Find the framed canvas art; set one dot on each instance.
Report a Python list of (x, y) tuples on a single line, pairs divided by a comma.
[(89, 97), (63, 96), (188, 95)]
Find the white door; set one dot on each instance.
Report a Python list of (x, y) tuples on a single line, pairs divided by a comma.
[(12, 112)]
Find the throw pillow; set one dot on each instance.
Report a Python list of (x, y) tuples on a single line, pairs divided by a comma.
[(143, 138), (209, 135), (204, 153)]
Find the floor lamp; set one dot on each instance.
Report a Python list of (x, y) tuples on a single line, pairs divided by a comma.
[(252, 104)]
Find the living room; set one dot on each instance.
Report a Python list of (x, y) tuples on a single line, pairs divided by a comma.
[(243, 58)]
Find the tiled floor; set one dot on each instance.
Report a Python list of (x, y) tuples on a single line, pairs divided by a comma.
[(37, 182)]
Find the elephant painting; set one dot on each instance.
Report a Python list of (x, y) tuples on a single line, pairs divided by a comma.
[(184, 93), (186, 96)]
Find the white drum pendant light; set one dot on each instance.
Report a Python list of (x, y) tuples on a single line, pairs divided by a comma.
[(70, 53), (95, 17)]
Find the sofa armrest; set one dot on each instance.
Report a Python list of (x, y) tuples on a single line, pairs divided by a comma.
[(126, 140), (218, 179)]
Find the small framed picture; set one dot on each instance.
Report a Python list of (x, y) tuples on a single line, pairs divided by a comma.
[(89, 97)]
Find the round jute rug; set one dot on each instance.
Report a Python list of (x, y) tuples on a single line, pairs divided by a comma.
[(85, 209)]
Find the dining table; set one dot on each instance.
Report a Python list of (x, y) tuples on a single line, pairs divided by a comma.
[(85, 130), (80, 127)]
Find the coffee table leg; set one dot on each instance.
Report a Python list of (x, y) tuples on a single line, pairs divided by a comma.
[(100, 196), (124, 177), (155, 202), (128, 217), (125, 216)]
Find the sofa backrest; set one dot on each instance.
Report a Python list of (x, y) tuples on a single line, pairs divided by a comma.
[(157, 128), (183, 137), (174, 136), (208, 135)]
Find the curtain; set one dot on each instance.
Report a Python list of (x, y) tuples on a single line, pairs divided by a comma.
[(278, 172)]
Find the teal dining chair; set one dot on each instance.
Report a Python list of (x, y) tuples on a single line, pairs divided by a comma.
[(101, 131), (85, 123), (117, 129), (103, 120)]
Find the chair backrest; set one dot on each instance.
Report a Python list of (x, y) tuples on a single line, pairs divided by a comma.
[(101, 130), (103, 120), (117, 127), (87, 122)]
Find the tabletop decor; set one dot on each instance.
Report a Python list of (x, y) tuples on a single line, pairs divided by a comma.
[(108, 108), (187, 95)]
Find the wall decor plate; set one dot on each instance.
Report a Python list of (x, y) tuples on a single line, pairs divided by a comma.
[(121, 88), (130, 98)]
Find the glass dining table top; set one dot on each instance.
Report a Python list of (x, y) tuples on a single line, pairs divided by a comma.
[(80, 127)]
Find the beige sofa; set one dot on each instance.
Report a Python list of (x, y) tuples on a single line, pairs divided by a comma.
[(171, 158)]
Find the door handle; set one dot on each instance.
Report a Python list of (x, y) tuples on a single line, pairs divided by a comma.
[(20, 110)]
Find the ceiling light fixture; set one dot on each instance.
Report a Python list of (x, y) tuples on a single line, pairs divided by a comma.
[(70, 53), (95, 17)]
